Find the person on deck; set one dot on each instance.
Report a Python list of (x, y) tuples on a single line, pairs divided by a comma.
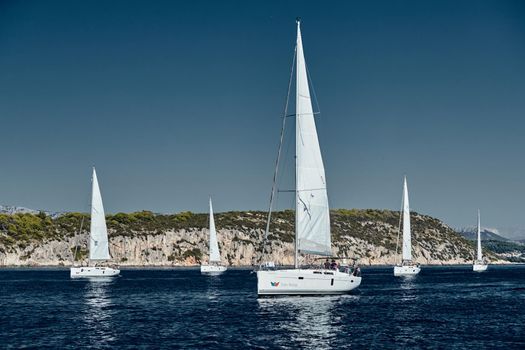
[(327, 264), (357, 271)]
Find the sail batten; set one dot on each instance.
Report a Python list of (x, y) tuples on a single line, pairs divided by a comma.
[(407, 239), (215, 255), (98, 242), (312, 210)]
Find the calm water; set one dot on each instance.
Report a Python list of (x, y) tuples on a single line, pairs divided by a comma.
[(449, 307)]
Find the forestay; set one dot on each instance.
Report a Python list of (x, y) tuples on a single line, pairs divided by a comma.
[(215, 255), (99, 246), (312, 212)]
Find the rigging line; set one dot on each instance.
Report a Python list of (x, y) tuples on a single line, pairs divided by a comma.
[(286, 164), (399, 227), (284, 169), (84, 216), (279, 153), (76, 245)]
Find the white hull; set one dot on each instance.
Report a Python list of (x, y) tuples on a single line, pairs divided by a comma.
[(213, 269), (305, 282), (479, 267), (90, 271), (407, 270)]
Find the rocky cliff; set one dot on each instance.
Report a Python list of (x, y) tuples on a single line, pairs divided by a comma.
[(147, 239)]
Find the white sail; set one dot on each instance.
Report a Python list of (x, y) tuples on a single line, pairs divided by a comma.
[(480, 255), (99, 246), (215, 255), (312, 212), (407, 242)]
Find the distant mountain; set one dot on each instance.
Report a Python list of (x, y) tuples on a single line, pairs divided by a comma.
[(471, 233), (10, 210), (514, 233)]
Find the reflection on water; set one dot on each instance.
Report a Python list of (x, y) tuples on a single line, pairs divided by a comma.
[(406, 313), (98, 325), (213, 286), (408, 288), (309, 322)]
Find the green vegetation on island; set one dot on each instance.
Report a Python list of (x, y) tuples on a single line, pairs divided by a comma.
[(360, 233)]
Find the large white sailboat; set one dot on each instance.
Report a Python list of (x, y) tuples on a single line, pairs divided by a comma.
[(312, 216), (98, 240), (479, 264), (214, 263), (407, 267)]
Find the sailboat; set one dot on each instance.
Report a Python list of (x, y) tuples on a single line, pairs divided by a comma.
[(407, 267), (312, 216), (214, 263), (479, 264), (98, 239)]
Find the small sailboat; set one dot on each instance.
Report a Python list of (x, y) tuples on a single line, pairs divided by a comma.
[(312, 216), (479, 264), (214, 263), (98, 240), (407, 267)]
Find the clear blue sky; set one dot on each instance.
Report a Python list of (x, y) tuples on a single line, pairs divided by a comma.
[(173, 101)]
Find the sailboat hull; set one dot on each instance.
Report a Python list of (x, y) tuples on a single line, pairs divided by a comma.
[(213, 269), (91, 271), (406, 270), (479, 267), (305, 282)]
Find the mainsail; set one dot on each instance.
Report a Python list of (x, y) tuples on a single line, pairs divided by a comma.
[(407, 244), (99, 246), (312, 212), (215, 256), (480, 255)]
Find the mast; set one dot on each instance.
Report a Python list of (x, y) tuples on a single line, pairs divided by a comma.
[(90, 238), (480, 256), (296, 244), (76, 243), (407, 244)]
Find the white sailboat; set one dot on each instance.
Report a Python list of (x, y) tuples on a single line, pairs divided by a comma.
[(407, 267), (312, 216), (214, 263), (98, 239), (479, 264)]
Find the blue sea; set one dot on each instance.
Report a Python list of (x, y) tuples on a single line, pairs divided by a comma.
[(442, 308)]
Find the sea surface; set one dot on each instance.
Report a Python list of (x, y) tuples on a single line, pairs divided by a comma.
[(442, 308)]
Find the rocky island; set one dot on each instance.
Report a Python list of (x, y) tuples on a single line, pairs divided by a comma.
[(147, 239)]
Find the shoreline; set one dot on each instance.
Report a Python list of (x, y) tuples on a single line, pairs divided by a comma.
[(240, 267)]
